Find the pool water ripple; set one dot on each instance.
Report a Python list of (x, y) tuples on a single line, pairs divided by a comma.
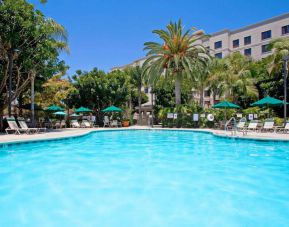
[(145, 178)]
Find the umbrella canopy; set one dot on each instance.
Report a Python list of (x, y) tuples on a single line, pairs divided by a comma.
[(28, 107), (268, 101), (112, 109), (83, 110), (74, 115), (54, 108), (226, 105), (60, 113)]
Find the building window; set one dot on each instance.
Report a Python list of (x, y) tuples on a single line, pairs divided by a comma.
[(235, 43), (248, 52), (146, 90), (247, 40), (285, 30), (219, 55), (207, 93), (218, 44), (266, 35), (265, 49)]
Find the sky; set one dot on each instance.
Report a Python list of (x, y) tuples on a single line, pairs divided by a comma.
[(109, 33)]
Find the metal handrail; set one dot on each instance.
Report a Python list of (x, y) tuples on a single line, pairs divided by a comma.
[(234, 131)]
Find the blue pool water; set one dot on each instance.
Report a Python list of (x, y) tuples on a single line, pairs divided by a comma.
[(145, 178)]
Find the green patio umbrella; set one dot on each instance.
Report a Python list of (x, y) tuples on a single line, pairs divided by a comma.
[(112, 109), (268, 102), (74, 115), (226, 105), (54, 108), (60, 113), (83, 110)]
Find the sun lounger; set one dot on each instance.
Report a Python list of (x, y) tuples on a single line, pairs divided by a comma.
[(13, 127), (24, 125), (241, 125), (253, 126), (268, 125), (284, 129), (106, 121), (74, 124), (114, 123), (85, 124)]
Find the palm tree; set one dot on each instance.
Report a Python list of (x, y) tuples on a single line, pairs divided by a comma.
[(175, 57), (137, 80), (216, 70), (280, 49), (238, 81)]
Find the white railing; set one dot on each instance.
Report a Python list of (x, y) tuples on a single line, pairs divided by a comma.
[(233, 121)]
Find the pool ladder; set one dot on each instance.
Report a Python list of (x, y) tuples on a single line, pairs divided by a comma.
[(233, 122)]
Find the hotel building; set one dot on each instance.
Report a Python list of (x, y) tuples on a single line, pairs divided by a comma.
[(251, 41)]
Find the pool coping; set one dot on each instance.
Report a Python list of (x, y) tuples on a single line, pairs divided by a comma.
[(93, 130)]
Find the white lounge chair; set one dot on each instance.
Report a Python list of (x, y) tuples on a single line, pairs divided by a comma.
[(241, 125), (106, 121), (285, 129), (24, 125), (13, 127), (253, 126), (74, 124), (114, 123), (85, 124), (268, 125)]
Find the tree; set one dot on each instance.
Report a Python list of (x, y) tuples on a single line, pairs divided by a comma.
[(175, 58), (238, 81), (29, 47), (136, 75), (280, 49)]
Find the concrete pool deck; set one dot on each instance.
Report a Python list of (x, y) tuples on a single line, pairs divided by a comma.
[(66, 133)]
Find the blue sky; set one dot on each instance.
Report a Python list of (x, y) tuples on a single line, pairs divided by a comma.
[(108, 33)]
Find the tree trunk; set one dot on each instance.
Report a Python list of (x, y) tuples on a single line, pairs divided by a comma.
[(202, 97), (178, 89), (10, 59), (32, 100), (139, 106), (153, 114)]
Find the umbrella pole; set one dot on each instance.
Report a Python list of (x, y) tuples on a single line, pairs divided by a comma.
[(225, 118)]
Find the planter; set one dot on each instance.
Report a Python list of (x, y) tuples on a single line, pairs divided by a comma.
[(125, 123)]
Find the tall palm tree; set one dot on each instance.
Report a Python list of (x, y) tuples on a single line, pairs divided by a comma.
[(175, 57)]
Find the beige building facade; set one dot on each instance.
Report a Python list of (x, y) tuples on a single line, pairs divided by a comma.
[(251, 41)]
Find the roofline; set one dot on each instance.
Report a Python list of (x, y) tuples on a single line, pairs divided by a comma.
[(127, 65), (258, 24)]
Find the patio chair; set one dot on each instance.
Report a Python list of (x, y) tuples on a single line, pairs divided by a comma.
[(74, 124), (284, 129), (268, 125), (24, 125), (106, 121), (114, 123), (85, 124), (253, 126), (241, 124), (13, 127)]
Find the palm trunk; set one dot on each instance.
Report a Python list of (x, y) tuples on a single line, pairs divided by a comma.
[(178, 89), (139, 106), (202, 97), (32, 100)]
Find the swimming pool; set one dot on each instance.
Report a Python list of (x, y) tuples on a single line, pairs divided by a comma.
[(145, 178)]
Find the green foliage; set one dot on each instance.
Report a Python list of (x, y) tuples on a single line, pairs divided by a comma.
[(175, 57), (32, 43)]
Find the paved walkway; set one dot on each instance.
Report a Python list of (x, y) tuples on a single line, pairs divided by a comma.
[(63, 133)]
